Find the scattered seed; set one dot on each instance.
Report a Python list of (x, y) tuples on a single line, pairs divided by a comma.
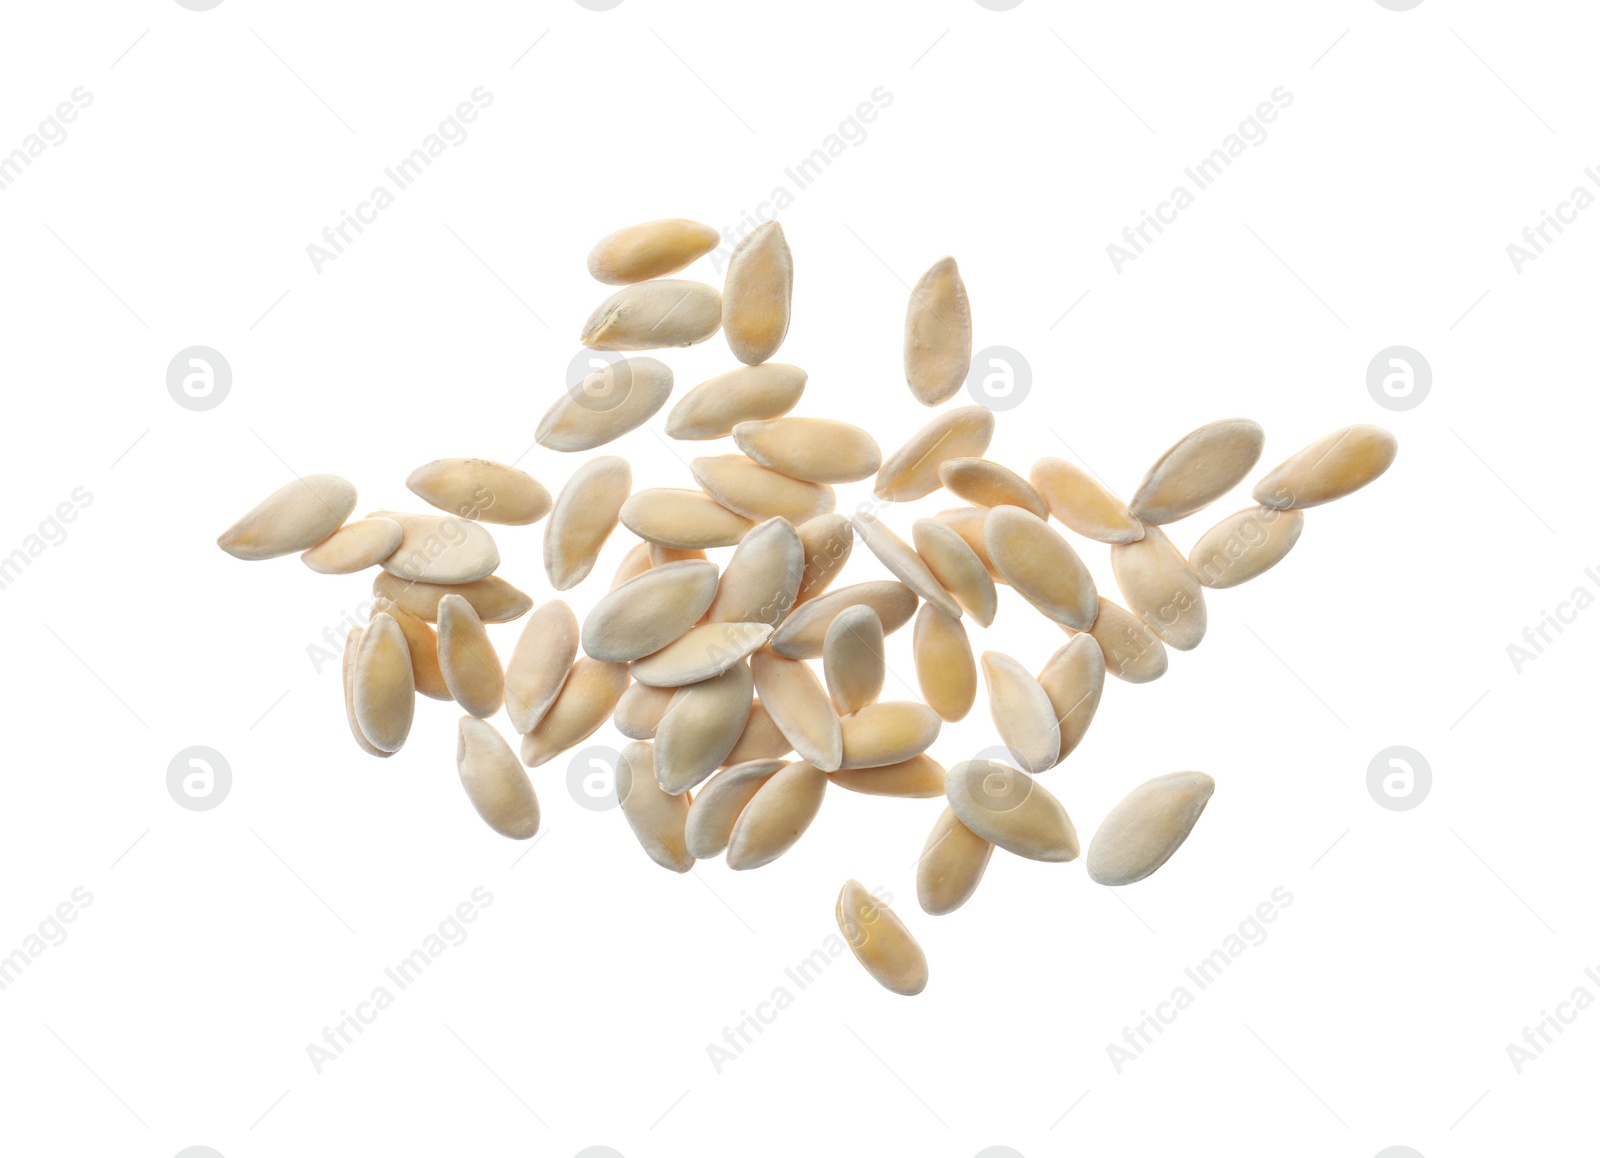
[(1078, 501), (1160, 589), (968, 522), (761, 581), (1330, 468), (881, 941), (750, 393), (700, 653), (293, 518), (777, 816), (689, 520), (639, 711), (606, 405), (645, 614), (495, 782), (1142, 832), (794, 698), (587, 698), (827, 540), (1073, 678), (887, 733), (1131, 650), (440, 549), (476, 488), (938, 349), (384, 695), (584, 516), (650, 249), (919, 778), (1011, 809), (903, 563), (656, 817), (701, 725), (471, 669), (1041, 565), (913, 471), (1244, 545), (495, 600), (951, 866), (818, 450), (352, 648), (956, 567), (354, 547), (760, 740), (660, 556), (423, 644), (634, 564), (654, 315), (852, 659), (947, 675), (719, 802), (988, 484), (755, 297), (802, 634), (1022, 713), (758, 493), (1198, 469), (539, 664)]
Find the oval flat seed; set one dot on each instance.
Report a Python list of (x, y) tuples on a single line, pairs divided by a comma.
[(951, 866), (1078, 501), (423, 644), (352, 648), (777, 816), (1244, 545), (903, 563), (1131, 650), (700, 653), (700, 727), (384, 694), (799, 707), (938, 346), (718, 804), (947, 675), (887, 733), (755, 297), (645, 614), (1198, 469), (1011, 809), (587, 698), (913, 470), (654, 315), (919, 778), (688, 520), (1160, 589), (440, 549), (1073, 678), (471, 669), (1328, 469), (634, 564), (802, 634), (660, 556), (819, 450), (881, 941), (1022, 713), (656, 817), (761, 581), (539, 664), (639, 711), (968, 522), (956, 567), (476, 488), (713, 408), (495, 782), (852, 660), (1142, 832), (758, 493), (650, 249), (827, 540), (354, 547), (584, 516), (988, 484), (760, 740), (495, 600), (292, 518), (605, 405), (1041, 565)]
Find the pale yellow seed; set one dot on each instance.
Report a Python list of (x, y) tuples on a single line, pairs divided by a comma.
[(757, 493), (440, 549), (761, 581), (496, 785), (1078, 501), (714, 407), (294, 517), (887, 733), (639, 711), (852, 659), (354, 547), (700, 653), (719, 802), (951, 866), (1244, 545), (471, 669), (605, 405), (919, 778), (1159, 588), (584, 516), (423, 644), (688, 520), (760, 740), (1142, 832), (938, 343), (968, 522), (819, 450), (1328, 469), (495, 600), (1073, 678), (352, 648), (1011, 809), (755, 297), (1021, 712), (903, 562), (654, 315), (794, 698), (700, 727), (645, 614), (634, 564), (660, 556), (476, 488), (1132, 651), (384, 695), (656, 817), (1198, 469), (587, 698), (947, 675), (539, 664), (881, 941), (988, 484), (913, 471), (957, 568), (802, 634), (827, 540), (1041, 565), (777, 816), (650, 249)]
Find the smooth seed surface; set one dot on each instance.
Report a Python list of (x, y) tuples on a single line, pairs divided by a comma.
[(777, 816), (1073, 678), (495, 600), (1041, 565), (957, 568), (903, 562), (760, 740), (1159, 588), (1244, 545), (1077, 500), (947, 675), (701, 725), (639, 711), (539, 663), (656, 817), (385, 696), (1132, 651), (292, 518), (919, 778), (471, 669), (440, 549), (1022, 713), (827, 541), (951, 866), (819, 450), (1011, 809), (423, 644), (755, 297), (719, 802), (887, 733), (685, 519), (913, 471), (751, 490), (650, 249), (496, 784), (988, 484), (352, 648), (1198, 469), (654, 315), (645, 614), (762, 578), (584, 516), (1142, 832), (750, 393), (852, 659), (606, 405), (803, 633), (881, 941), (354, 547), (587, 698), (794, 698), (700, 653), (476, 488), (938, 346), (1330, 468)]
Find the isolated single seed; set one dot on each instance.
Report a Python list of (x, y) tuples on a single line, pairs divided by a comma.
[(650, 249), (700, 653), (713, 408), (1142, 832), (471, 669), (903, 562), (755, 297), (634, 564), (919, 778), (951, 865), (827, 540), (1011, 809), (1132, 651), (947, 675), (1244, 545), (495, 782), (645, 614), (639, 711), (881, 941), (584, 516), (802, 634), (352, 648), (385, 696), (423, 644), (761, 581), (1073, 678), (688, 520), (587, 698), (1198, 469), (654, 315), (1041, 565), (1078, 501), (656, 817), (988, 484), (292, 518), (606, 405), (777, 816), (819, 450), (476, 488), (440, 549), (852, 659), (794, 698), (887, 733), (1160, 589), (957, 568), (1022, 713), (913, 470), (760, 740), (539, 664), (968, 522), (1330, 468), (757, 493), (938, 349), (700, 727), (495, 600), (720, 801), (354, 547)]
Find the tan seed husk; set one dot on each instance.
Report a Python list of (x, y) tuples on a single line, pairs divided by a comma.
[(762, 578), (777, 816), (688, 520), (296, 516), (440, 549), (423, 644), (476, 488), (634, 564), (656, 817), (802, 634), (760, 740), (1142, 832), (700, 653), (1078, 501), (758, 493), (988, 484), (1198, 469), (1132, 651), (650, 249), (913, 471), (881, 941), (827, 540), (1073, 678), (495, 600), (947, 675), (496, 784), (1244, 545), (354, 547), (818, 450), (794, 698), (645, 614), (587, 698), (660, 556), (1022, 713), (605, 405), (1041, 565), (719, 802), (384, 694), (654, 315), (755, 297), (968, 522), (1011, 809), (919, 778), (951, 866), (938, 346), (584, 516), (539, 664), (887, 733), (700, 727), (1330, 468), (957, 568), (352, 648), (852, 659), (471, 669), (750, 393), (1160, 589), (639, 711), (903, 562)]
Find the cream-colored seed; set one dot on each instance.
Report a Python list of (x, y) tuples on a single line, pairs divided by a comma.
[(794, 698), (700, 727), (495, 782), (354, 547), (1328, 469), (384, 694), (968, 522), (887, 733), (440, 549), (700, 653), (1078, 501), (957, 568), (495, 600), (757, 493), (656, 817), (762, 579), (471, 669), (1022, 713), (584, 516), (760, 740), (1160, 589), (903, 562), (1132, 651), (719, 802), (951, 865), (1011, 809), (645, 614), (988, 484), (1198, 469), (1244, 545), (635, 562), (352, 648), (476, 488), (755, 297), (654, 315), (938, 346), (605, 405), (818, 450), (639, 711), (423, 644), (1041, 565), (913, 471), (539, 663), (587, 698), (947, 675), (688, 520), (1142, 832), (777, 816), (881, 941), (650, 249), (660, 556), (750, 393), (827, 540), (919, 778), (803, 633), (1073, 678), (292, 518), (852, 659)]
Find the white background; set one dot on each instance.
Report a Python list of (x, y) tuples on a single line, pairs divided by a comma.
[(219, 944)]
